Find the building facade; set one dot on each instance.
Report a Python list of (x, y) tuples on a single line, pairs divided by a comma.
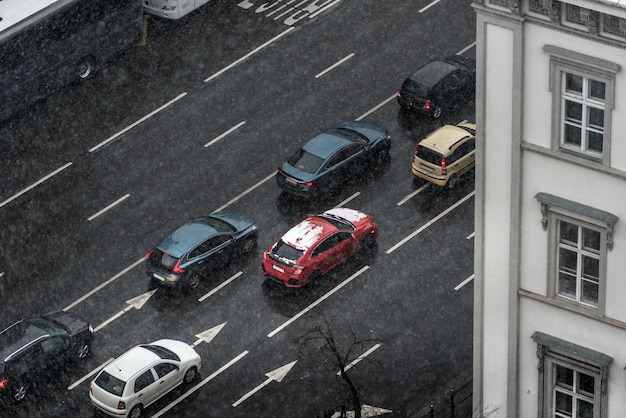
[(550, 255)]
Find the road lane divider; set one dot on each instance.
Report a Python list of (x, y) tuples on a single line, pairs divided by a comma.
[(228, 132), (354, 196), (248, 55), (274, 376), (378, 106), (236, 198), (35, 184), (335, 65), (359, 358), (470, 236), (429, 223), (318, 301), (464, 282), (112, 205), (129, 127), (103, 285), (428, 6), (199, 385), (134, 303), (467, 48), (91, 373), (412, 195), (217, 289)]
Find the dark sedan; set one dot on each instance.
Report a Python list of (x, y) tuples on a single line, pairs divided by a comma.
[(327, 160), (30, 349), (199, 247)]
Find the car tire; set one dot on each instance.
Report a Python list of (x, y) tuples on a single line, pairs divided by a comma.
[(83, 351), (436, 113), (190, 375), (191, 282), (135, 412), (19, 392), (369, 242), (85, 68)]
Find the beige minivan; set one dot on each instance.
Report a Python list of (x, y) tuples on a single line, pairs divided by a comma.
[(446, 154)]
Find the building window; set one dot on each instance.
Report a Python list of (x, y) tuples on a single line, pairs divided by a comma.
[(583, 98), (579, 238), (572, 379)]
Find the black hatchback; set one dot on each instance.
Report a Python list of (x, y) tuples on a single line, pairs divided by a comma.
[(439, 86), (31, 347)]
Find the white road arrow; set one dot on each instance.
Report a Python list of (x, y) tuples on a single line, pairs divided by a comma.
[(366, 412), (275, 375), (208, 335), (134, 303)]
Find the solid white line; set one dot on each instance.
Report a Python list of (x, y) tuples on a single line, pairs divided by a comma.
[(317, 302), (323, 9), (208, 295), (91, 373), (470, 236), (464, 282), (470, 46), (121, 199), (249, 54), (338, 63), (411, 195), (234, 128), (429, 223), (354, 196), (37, 183), (361, 357), (111, 319), (199, 385), (423, 9), (111, 280), (244, 193), (375, 108), (128, 128)]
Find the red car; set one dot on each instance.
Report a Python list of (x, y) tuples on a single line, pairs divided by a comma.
[(318, 244)]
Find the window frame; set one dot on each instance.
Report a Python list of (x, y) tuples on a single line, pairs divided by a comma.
[(553, 351), (564, 61), (555, 209)]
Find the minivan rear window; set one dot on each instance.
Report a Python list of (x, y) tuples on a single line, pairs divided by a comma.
[(428, 155), (416, 89), (110, 384)]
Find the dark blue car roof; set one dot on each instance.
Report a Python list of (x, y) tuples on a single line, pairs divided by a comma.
[(186, 237), (325, 144)]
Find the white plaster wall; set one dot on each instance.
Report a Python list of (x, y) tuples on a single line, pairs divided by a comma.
[(497, 131), (537, 316), (538, 99)]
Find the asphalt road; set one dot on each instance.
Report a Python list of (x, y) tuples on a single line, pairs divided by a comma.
[(197, 119)]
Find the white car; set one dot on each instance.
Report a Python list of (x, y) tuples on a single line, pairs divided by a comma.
[(143, 375)]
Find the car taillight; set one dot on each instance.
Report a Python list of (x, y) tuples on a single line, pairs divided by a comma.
[(444, 171), (298, 269), (415, 152), (399, 94), (149, 253), (177, 268), (4, 383), (308, 184), (121, 405), (427, 105)]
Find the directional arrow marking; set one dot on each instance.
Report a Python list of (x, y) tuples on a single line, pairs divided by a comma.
[(208, 335), (275, 375), (134, 303)]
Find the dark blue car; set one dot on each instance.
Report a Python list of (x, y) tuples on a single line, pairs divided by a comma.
[(199, 247), (334, 156)]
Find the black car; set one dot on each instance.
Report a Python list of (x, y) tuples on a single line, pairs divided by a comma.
[(439, 86), (330, 158), (198, 247), (32, 347)]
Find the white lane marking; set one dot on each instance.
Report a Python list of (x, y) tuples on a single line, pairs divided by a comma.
[(470, 46), (131, 126), (289, 10), (354, 196), (470, 236), (335, 65), (217, 289), (234, 128), (118, 201), (428, 6), (276, 375), (378, 106), (249, 54), (111, 280), (361, 357), (199, 385), (328, 6), (88, 375), (317, 302), (35, 184), (464, 282), (429, 223), (411, 195), (236, 198)]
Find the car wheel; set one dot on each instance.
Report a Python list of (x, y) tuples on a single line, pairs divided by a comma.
[(369, 242), (85, 68), (135, 412), (452, 182), (190, 375), (19, 392), (83, 350), (192, 281), (436, 114)]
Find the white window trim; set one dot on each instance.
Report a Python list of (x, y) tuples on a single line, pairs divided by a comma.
[(566, 61)]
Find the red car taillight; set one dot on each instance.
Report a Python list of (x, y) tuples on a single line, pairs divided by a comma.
[(298, 269), (427, 105), (4, 383), (149, 253), (121, 405), (415, 152), (177, 268), (308, 184), (399, 94), (444, 171)]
